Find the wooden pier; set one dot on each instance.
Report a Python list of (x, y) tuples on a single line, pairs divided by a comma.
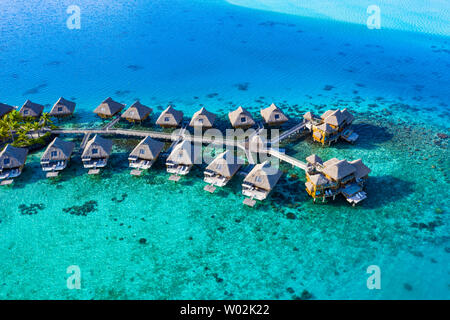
[(288, 133), (242, 144)]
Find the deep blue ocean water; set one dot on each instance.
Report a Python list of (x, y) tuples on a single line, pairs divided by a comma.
[(211, 53)]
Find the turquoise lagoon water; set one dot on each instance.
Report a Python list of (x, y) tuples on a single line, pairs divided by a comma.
[(202, 246)]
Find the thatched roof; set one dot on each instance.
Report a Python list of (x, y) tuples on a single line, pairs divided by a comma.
[(109, 107), (273, 115), (137, 112), (12, 157), (324, 127), (361, 169), (339, 170), (263, 176), (203, 118), (331, 162), (182, 153), (101, 145), (4, 109), (170, 117), (326, 114), (314, 159), (147, 149), (309, 116), (335, 118), (62, 107), (347, 115), (224, 164), (31, 109), (318, 179), (62, 148), (241, 118)]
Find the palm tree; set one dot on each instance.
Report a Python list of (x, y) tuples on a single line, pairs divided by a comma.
[(35, 126), (45, 119), (4, 131), (22, 138)]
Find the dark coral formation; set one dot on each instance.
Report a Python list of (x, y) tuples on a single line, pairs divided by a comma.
[(31, 209), (83, 210)]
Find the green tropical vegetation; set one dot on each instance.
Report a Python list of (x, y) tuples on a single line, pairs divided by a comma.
[(23, 132)]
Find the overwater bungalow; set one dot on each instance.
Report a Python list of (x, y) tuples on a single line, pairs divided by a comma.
[(31, 110), (335, 177), (56, 156), (260, 181), (62, 108), (221, 170), (332, 125), (5, 109), (109, 108), (96, 154), (181, 159), (170, 118), (273, 116), (241, 118), (136, 113), (145, 154), (12, 161), (203, 119)]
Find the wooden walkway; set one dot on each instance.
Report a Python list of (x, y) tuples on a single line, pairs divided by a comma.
[(294, 130), (175, 138), (284, 157), (112, 123)]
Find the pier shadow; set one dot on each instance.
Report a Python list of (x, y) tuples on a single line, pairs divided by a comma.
[(370, 136), (383, 190)]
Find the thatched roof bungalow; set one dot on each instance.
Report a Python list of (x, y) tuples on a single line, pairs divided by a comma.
[(261, 180), (241, 118), (221, 169), (170, 118), (5, 109), (362, 171), (31, 110), (57, 155), (203, 119), (335, 177), (339, 171), (109, 108), (273, 115), (96, 152), (145, 153), (137, 112), (181, 159), (12, 160), (314, 159), (62, 108)]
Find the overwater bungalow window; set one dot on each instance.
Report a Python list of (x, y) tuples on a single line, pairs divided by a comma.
[(6, 161), (277, 116), (180, 155), (95, 151), (25, 111), (59, 109), (54, 154), (258, 179), (131, 113), (141, 151), (166, 119), (103, 109), (200, 121), (219, 166), (243, 119)]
